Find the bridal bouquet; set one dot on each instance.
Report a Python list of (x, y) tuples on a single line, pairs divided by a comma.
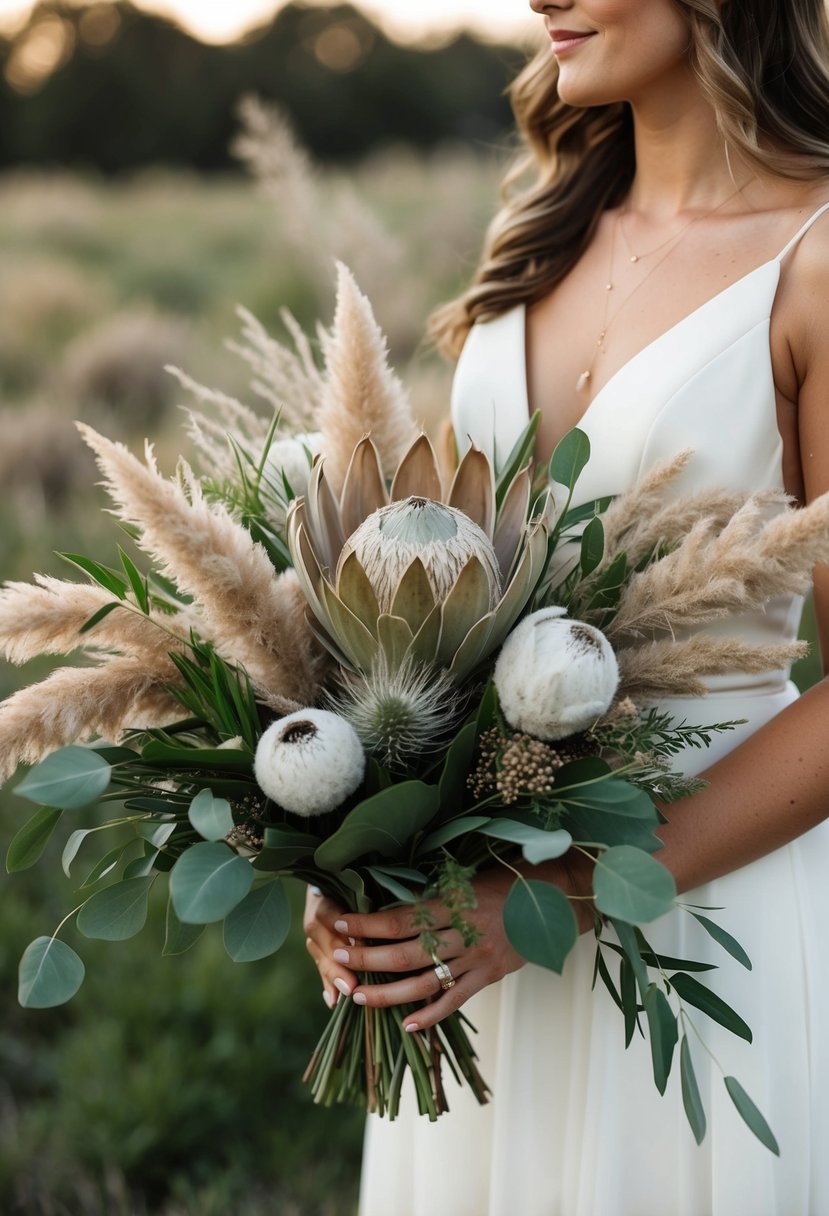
[(338, 663)]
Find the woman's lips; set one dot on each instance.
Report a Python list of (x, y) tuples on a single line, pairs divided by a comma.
[(567, 40)]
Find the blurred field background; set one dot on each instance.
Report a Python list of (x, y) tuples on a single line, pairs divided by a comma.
[(129, 233)]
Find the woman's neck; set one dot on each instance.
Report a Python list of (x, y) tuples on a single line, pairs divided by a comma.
[(681, 159)]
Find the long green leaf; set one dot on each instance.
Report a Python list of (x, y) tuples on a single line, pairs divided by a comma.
[(28, 843), (207, 882), (664, 1034), (540, 924), (137, 582), (696, 994), (71, 778), (50, 974), (116, 913), (258, 926), (728, 943), (102, 575), (691, 1099), (751, 1116), (451, 831)]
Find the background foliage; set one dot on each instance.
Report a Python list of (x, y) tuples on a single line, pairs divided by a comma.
[(130, 89)]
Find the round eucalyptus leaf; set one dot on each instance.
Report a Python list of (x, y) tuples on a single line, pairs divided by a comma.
[(540, 923), (258, 926), (632, 886), (211, 817), (116, 913), (50, 974), (71, 778), (207, 882)]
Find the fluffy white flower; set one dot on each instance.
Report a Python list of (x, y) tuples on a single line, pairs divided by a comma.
[(554, 676), (290, 460), (310, 761)]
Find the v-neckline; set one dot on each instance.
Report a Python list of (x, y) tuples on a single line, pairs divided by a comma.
[(647, 348)]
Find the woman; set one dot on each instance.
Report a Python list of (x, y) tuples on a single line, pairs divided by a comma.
[(664, 284)]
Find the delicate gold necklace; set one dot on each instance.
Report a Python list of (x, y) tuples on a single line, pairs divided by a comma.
[(675, 236), (673, 242)]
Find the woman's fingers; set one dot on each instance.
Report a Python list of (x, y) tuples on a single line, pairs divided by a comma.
[(394, 924), (321, 941), (448, 1002), (397, 956), (422, 986)]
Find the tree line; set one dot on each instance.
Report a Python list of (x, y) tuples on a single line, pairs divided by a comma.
[(112, 88)]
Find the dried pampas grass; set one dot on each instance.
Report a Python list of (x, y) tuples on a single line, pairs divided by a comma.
[(76, 703), (48, 618), (362, 394), (719, 571), (252, 614), (675, 668)]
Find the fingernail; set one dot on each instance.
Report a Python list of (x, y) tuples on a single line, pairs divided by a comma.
[(315, 890), (341, 926), (359, 998), (342, 986), (340, 956), (328, 998), (411, 1027)]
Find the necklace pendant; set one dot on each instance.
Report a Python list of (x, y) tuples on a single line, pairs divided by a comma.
[(583, 381), (635, 257)]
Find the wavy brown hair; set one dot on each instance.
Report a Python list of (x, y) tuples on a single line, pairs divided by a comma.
[(764, 67)]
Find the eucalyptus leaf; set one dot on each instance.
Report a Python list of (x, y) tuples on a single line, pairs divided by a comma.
[(589, 825), (179, 937), (728, 943), (50, 974), (258, 926), (540, 924), (751, 1116), (630, 1006), (695, 993), (211, 817), (631, 886), (664, 1034), (391, 884), (106, 864), (601, 970), (116, 913), (537, 844), (691, 1099), (630, 946), (207, 882), (283, 847), (72, 847), (450, 831), (28, 842), (569, 459), (383, 824), (70, 778)]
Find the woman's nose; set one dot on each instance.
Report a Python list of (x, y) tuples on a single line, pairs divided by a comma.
[(546, 6)]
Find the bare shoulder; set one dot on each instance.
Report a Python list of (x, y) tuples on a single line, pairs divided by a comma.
[(804, 287)]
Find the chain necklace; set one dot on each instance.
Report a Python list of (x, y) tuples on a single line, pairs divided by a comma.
[(673, 242), (675, 236)]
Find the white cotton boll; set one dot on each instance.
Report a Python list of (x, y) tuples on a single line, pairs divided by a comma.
[(310, 761), (290, 460), (555, 677)]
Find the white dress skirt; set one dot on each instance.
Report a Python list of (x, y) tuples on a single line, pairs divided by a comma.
[(576, 1126)]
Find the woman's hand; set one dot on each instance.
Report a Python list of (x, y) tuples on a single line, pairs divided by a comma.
[(321, 940), (397, 947)]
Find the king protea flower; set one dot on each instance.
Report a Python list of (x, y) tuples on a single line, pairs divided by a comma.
[(411, 576)]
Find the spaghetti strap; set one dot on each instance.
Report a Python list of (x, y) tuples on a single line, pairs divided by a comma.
[(802, 231)]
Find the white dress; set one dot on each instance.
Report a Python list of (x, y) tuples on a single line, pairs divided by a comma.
[(576, 1126)]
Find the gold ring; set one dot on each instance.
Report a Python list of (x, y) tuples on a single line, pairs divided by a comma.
[(445, 977)]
